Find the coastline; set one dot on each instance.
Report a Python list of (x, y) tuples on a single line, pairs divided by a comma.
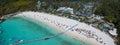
[(69, 22)]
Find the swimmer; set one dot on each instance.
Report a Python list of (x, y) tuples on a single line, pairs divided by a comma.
[(47, 38), (20, 40)]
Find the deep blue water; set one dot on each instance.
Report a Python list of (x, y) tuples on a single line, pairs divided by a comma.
[(21, 28)]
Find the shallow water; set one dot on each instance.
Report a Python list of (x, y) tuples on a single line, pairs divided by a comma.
[(21, 28)]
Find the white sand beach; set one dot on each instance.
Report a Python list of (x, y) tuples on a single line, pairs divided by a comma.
[(77, 30)]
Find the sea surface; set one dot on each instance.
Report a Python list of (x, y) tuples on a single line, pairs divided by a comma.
[(21, 28)]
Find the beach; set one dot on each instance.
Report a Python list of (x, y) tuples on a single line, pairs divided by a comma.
[(72, 28)]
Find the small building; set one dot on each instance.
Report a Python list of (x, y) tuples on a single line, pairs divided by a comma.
[(38, 4), (86, 11), (65, 10), (113, 32), (98, 17)]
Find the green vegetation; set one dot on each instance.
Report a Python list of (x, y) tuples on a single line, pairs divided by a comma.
[(111, 10), (15, 6), (108, 8)]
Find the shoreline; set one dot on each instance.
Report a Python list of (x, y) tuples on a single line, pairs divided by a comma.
[(73, 34)]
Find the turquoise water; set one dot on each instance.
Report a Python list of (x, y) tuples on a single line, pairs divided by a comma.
[(21, 28)]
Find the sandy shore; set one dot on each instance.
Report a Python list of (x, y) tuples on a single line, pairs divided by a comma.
[(82, 31)]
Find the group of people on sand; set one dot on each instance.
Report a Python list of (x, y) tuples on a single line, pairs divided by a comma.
[(51, 21), (89, 34), (54, 22), (86, 33)]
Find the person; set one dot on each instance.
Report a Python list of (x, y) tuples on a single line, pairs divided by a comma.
[(100, 40), (19, 41), (104, 43), (47, 38)]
